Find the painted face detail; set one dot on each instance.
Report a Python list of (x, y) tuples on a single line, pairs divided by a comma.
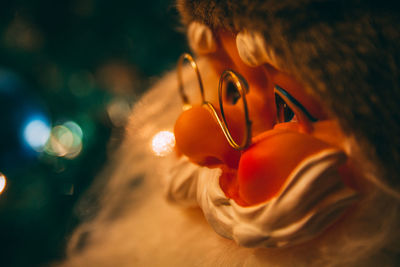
[(290, 132)]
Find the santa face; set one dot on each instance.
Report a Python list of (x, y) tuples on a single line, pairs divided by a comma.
[(291, 179)]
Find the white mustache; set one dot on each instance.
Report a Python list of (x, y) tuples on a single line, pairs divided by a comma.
[(313, 198)]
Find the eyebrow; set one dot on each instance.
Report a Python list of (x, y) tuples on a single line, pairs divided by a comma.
[(295, 102)]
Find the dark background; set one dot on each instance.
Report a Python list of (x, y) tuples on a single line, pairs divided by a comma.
[(69, 60)]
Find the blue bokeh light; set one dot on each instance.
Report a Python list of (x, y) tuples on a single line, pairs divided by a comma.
[(36, 132)]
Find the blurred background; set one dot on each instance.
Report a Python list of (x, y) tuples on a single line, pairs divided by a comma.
[(70, 71)]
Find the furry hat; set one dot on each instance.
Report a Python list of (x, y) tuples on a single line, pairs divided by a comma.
[(346, 53)]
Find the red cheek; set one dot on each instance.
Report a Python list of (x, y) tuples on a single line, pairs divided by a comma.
[(266, 165)]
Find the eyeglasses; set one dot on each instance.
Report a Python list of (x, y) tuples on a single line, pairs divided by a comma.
[(286, 105)]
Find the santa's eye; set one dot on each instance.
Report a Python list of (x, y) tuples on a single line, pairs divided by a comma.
[(283, 111), (288, 108), (232, 94)]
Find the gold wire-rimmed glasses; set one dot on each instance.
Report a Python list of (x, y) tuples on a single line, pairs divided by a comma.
[(227, 75)]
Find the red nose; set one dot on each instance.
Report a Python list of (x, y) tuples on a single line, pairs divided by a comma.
[(199, 136)]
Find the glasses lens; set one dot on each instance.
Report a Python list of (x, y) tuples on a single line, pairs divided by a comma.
[(236, 123)]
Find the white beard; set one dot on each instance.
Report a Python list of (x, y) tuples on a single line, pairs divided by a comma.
[(128, 222)]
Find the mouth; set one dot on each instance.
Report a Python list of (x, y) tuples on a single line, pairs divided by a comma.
[(229, 185), (211, 162)]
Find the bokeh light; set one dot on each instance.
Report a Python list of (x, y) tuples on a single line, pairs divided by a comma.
[(65, 140), (75, 128), (163, 143), (81, 83), (118, 111), (22, 34), (36, 133), (3, 182)]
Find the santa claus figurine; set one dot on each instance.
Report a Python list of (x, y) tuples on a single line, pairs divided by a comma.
[(274, 143)]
